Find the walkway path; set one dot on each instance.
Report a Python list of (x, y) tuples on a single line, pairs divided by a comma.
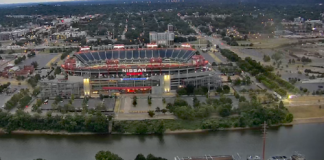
[(143, 116), (53, 60)]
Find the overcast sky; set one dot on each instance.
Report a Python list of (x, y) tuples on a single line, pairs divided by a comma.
[(27, 1)]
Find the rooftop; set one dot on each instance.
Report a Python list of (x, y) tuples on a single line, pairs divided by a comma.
[(61, 79)]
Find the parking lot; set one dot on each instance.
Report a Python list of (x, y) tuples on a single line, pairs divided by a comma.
[(142, 103), (109, 103), (41, 59)]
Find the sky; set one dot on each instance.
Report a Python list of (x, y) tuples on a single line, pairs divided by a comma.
[(28, 1)]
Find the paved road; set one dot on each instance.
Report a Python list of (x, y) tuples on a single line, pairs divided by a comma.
[(143, 116), (217, 41)]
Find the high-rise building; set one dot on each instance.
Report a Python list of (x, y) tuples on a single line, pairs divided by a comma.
[(163, 38), (170, 28)]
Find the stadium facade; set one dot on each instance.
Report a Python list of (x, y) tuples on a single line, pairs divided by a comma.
[(142, 70)]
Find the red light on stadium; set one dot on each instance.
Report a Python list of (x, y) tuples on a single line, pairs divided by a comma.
[(130, 90), (134, 74)]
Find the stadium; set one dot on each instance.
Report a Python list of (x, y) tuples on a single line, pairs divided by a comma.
[(141, 70)]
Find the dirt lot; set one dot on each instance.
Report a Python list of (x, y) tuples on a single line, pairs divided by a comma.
[(306, 106), (273, 42), (269, 42), (306, 111)]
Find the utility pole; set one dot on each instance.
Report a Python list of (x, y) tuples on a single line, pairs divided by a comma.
[(264, 139)]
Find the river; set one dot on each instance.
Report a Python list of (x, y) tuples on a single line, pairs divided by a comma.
[(307, 139)]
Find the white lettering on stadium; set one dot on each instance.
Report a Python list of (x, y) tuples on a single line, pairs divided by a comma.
[(134, 70)]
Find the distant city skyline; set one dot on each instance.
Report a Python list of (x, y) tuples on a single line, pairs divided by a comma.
[(29, 1)]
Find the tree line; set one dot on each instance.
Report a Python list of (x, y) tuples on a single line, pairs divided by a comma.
[(199, 116), (20, 59), (22, 98), (107, 155), (33, 80), (4, 86), (262, 73), (96, 123)]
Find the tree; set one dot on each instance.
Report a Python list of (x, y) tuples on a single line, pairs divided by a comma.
[(151, 113), (107, 155), (159, 128), (229, 79), (226, 89), (184, 112), (242, 99), (276, 56), (281, 105), (190, 89), (163, 100), (36, 91), (140, 157), (289, 117), (266, 58), (157, 109), (237, 81), (219, 89), (181, 91), (134, 101), (57, 70), (225, 110), (242, 122), (196, 102), (208, 44), (141, 128), (149, 100), (236, 95), (152, 157), (164, 110)]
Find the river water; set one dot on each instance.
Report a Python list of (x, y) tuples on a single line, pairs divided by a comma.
[(307, 139)]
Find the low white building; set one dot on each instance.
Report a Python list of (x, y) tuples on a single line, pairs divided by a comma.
[(12, 35), (69, 33), (314, 25)]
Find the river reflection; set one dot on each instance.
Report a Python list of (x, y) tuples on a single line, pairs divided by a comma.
[(304, 138)]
